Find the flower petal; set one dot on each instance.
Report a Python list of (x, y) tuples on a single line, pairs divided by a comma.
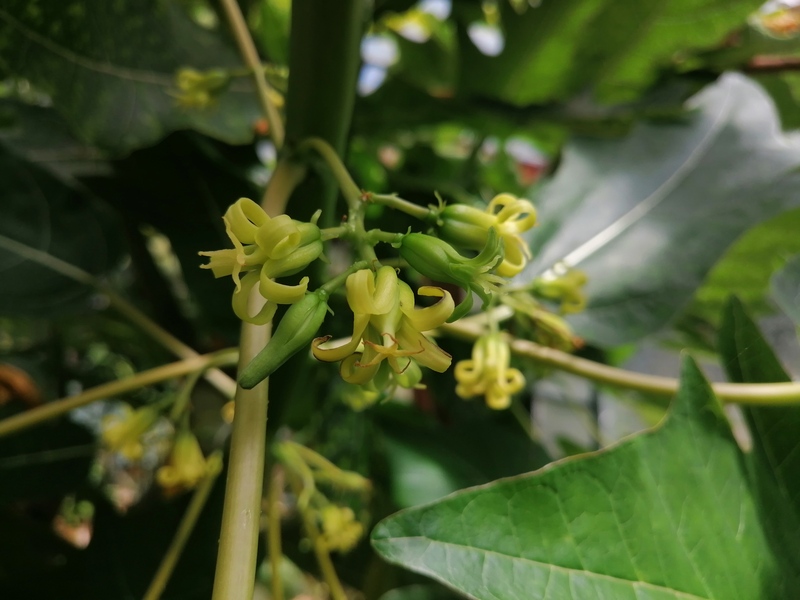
[(279, 292), (338, 353), (241, 299), (244, 217), (279, 237), (431, 317), (431, 355)]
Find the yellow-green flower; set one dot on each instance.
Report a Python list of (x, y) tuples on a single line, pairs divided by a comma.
[(510, 216), (566, 288), (186, 466), (488, 373), (340, 529), (264, 248), (387, 326), (198, 89), (122, 433)]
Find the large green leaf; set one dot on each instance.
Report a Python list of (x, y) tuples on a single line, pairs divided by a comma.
[(110, 68), (647, 216), (667, 514), (41, 212), (618, 47), (428, 459), (774, 461), (746, 267), (786, 288)]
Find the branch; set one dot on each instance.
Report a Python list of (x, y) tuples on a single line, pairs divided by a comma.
[(224, 384), (250, 56), (54, 409), (739, 393)]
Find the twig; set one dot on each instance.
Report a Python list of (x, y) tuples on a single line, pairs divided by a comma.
[(193, 511), (52, 410), (250, 56), (740, 393), (224, 384)]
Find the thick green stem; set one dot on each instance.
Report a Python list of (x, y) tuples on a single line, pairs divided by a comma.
[(241, 513), (323, 69), (397, 203), (54, 409), (764, 394), (238, 542)]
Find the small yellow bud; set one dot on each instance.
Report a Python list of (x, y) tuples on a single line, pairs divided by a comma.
[(488, 373), (122, 433), (186, 465), (340, 530)]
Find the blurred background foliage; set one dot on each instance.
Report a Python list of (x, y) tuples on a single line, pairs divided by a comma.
[(669, 124)]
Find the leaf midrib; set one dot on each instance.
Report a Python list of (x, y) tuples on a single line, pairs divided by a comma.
[(567, 570)]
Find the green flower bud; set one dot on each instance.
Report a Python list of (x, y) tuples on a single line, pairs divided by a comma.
[(439, 261), (298, 328)]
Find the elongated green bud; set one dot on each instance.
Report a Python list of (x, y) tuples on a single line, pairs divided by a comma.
[(297, 329), (439, 261)]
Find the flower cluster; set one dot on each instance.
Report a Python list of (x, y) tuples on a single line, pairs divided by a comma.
[(265, 248), (489, 373), (469, 227), (388, 344)]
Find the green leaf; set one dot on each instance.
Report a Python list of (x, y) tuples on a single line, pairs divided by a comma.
[(428, 460), (774, 461), (43, 213), (647, 216), (667, 514), (786, 288), (110, 68), (746, 267), (619, 48), (419, 592)]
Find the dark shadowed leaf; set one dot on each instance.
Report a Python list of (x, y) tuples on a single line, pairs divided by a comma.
[(664, 515), (110, 68), (775, 460), (556, 49), (43, 213), (647, 216), (786, 288)]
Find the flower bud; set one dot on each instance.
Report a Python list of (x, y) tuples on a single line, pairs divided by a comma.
[(297, 328), (439, 261)]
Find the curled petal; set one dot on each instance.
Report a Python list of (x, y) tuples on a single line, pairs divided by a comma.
[(516, 257), (279, 237), (431, 317), (372, 293), (279, 292), (241, 299), (243, 219), (348, 348), (515, 215)]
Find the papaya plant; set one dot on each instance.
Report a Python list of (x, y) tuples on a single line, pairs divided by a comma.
[(399, 300)]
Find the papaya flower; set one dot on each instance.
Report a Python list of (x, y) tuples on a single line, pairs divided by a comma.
[(340, 529), (264, 248), (469, 226), (186, 466), (388, 327), (122, 433), (488, 373)]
